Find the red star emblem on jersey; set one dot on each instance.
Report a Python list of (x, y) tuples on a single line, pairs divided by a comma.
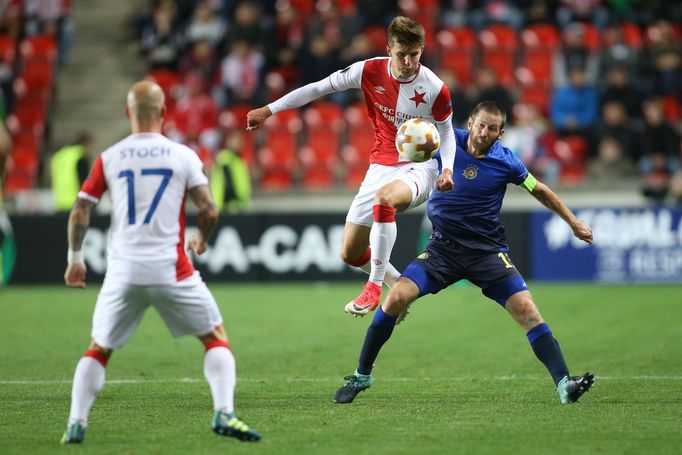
[(418, 98)]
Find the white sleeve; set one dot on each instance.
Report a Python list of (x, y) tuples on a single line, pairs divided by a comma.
[(195, 174), (349, 77), (447, 143)]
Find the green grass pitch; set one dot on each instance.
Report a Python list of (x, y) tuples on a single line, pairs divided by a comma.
[(457, 377)]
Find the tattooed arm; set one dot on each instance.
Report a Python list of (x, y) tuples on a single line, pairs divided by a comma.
[(79, 221), (208, 217)]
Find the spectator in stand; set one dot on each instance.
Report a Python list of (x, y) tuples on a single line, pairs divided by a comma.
[(611, 166), (160, 42), (539, 12), (319, 60), (664, 60), (460, 114), (10, 17), (525, 138), (331, 24), (587, 11), (205, 26), (618, 87), (619, 54), (201, 60), (656, 180), (574, 54), (574, 108), (615, 124), (248, 25), (196, 116), (659, 142), (496, 12), (242, 74), (488, 89), (50, 17), (676, 188)]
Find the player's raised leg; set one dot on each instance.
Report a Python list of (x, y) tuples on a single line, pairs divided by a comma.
[(220, 372), (546, 348), (88, 380), (378, 333)]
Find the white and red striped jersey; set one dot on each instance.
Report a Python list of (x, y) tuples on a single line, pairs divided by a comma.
[(147, 176), (391, 101)]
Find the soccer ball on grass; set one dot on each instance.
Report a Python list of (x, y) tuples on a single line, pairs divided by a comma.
[(417, 140)]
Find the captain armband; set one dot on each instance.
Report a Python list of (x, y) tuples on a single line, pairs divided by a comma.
[(529, 183)]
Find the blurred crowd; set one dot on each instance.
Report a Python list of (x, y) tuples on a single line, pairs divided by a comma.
[(593, 88)]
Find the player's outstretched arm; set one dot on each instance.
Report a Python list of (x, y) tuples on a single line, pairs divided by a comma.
[(549, 199), (79, 221), (208, 218)]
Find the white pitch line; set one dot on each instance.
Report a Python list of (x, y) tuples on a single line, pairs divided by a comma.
[(326, 380)]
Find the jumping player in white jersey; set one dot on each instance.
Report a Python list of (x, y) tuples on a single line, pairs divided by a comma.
[(396, 89), (148, 177)]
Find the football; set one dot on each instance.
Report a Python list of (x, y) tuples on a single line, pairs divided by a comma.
[(417, 140)]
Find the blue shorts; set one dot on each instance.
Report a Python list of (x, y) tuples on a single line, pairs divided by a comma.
[(443, 263)]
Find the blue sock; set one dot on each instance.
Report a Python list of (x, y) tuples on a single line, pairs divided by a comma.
[(547, 350), (378, 333)]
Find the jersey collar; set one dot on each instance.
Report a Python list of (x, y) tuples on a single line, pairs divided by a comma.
[(402, 81)]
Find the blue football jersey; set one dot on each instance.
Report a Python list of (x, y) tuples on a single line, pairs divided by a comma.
[(469, 215)]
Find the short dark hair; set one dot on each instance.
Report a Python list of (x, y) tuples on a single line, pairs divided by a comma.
[(491, 107), (406, 31)]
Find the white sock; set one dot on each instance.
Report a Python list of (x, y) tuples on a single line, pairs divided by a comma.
[(88, 380), (390, 277), (381, 239), (220, 372)]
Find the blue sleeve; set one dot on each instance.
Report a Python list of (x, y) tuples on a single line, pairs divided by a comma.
[(517, 171)]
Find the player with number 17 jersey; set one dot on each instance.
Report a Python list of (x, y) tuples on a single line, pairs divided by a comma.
[(147, 176)]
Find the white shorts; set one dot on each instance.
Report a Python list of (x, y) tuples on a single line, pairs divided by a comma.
[(187, 308), (420, 177)]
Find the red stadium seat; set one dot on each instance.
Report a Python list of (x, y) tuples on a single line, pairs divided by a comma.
[(18, 180), (458, 50), (38, 75), (537, 95), (360, 139), (498, 36), (536, 67), (592, 37), (170, 83), (541, 36), (376, 35), (502, 62), (39, 47), (571, 152), (7, 50), (631, 35), (278, 158)]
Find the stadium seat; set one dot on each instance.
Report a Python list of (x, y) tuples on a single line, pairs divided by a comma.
[(503, 62), (672, 107), (498, 36), (537, 95), (39, 47), (376, 35), (536, 67), (592, 37), (571, 153), (458, 51), (498, 51), (540, 36), (170, 83), (278, 158), (18, 180), (631, 34), (360, 139), (7, 50), (29, 114), (38, 74), (320, 154)]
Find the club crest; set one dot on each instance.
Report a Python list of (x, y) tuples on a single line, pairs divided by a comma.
[(470, 172), (424, 255)]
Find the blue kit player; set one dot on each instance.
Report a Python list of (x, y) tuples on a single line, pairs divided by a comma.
[(468, 242)]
